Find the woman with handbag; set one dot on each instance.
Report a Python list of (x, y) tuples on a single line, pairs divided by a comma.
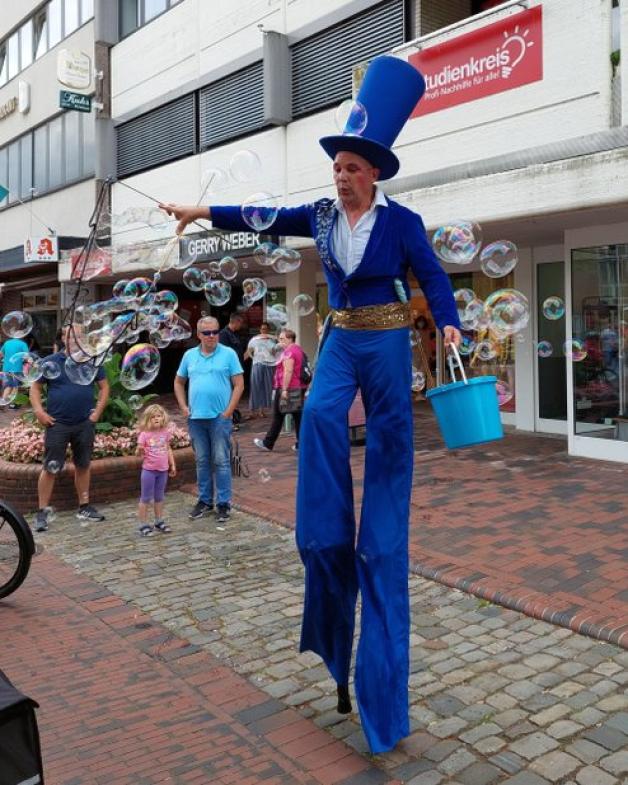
[(288, 390)]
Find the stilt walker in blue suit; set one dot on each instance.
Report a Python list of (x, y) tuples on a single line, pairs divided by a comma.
[(367, 243)]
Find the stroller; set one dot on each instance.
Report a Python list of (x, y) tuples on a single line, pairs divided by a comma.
[(20, 752)]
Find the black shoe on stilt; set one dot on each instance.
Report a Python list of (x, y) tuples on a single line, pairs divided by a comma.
[(344, 701)]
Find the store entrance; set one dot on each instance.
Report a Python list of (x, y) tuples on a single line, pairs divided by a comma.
[(551, 365)]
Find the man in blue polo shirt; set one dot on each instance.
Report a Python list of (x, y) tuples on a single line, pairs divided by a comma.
[(216, 383), (69, 417)]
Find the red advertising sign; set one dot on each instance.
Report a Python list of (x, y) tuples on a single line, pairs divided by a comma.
[(489, 60)]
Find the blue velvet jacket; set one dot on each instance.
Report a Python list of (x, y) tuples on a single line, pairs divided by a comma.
[(398, 242)]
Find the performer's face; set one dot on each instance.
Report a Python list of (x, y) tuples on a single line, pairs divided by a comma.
[(354, 178)]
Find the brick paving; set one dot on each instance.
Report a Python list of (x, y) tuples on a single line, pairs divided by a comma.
[(188, 643), (518, 522)]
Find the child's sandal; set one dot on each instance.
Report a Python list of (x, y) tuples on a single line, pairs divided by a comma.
[(145, 531), (163, 527)]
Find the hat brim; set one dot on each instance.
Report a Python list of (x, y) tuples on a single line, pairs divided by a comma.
[(376, 154)]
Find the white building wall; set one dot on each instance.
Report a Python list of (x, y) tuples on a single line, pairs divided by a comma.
[(13, 13)]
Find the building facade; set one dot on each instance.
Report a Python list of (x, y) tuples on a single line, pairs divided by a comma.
[(522, 130)]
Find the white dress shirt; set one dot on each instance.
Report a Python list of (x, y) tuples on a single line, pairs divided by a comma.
[(348, 245)]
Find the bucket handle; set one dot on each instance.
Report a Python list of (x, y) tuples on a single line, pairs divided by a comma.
[(450, 360)]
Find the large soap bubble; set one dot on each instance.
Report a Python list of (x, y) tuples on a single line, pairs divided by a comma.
[(457, 242), (228, 268), (140, 366), (244, 166), (286, 260), (574, 350), (17, 324), (544, 349), (50, 369), (9, 386), (254, 288), (259, 211), (508, 311), (499, 258), (553, 308), (277, 315), (218, 292), (194, 279), (351, 117), (263, 254), (303, 304)]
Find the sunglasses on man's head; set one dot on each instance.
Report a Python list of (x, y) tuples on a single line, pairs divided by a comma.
[(210, 332)]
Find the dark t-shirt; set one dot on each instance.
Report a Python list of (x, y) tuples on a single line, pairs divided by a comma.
[(229, 338), (69, 403)]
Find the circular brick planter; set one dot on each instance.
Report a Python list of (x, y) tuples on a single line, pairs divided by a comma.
[(112, 479)]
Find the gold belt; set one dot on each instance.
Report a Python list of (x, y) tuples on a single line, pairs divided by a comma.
[(372, 317)]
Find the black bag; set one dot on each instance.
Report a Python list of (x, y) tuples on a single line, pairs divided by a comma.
[(293, 402), (306, 370), (239, 466), (20, 752)]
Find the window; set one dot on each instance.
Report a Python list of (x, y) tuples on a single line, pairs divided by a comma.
[(26, 166), (26, 44), (71, 16), (14, 172), (129, 19), (14, 55), (55, 23), (55, 153), (4, 64), (87, 10), (40, 33), (4, 176), (89, 129), (72, 146), (40, 162), (153, 8)]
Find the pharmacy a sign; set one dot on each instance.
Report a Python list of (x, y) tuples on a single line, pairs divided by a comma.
[(486, 61)]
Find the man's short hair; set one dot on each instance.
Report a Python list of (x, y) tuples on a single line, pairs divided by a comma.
[(205, 320), (236, 317)]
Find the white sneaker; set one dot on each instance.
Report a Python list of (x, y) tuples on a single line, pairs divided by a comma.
[(260, 443)]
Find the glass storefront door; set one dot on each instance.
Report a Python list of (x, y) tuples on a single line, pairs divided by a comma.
[(551, 366), (599, 295)]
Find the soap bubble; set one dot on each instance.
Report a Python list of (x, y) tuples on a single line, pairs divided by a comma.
[(244, 166), (544, 349), (264, 475), (218, 292), (157, 219), (351, 117), (254, 288), (508, 311), (303, 304), (574, 350), (504, 392), (263, 254), (213, 181), (228, 267), (27, 367), (118, 288), (277, 315), (553, 308), (17, 324), (50, 369), (457, 242), (135, 402), (471, 317), (137, 287), (463, 297), (52, 467), (194, 280), (467, 345), (80, 373), (140, 366), (485, 351), (259, 211), (286, 260), (418, 379), (9, 386), (499, 258)]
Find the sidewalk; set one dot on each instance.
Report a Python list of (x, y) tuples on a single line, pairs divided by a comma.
[(517, 522), (174, 660)]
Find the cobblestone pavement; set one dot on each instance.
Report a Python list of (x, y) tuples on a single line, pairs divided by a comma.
[(496, 697)]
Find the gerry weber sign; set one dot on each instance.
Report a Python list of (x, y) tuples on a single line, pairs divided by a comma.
[(202, 247), (486, 61)]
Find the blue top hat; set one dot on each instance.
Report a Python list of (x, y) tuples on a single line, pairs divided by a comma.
[(390, 91)]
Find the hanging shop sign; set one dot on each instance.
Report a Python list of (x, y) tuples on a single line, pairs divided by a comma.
[(74, 69), (486, 61), (203, 247), (41, 249), (76, 101)]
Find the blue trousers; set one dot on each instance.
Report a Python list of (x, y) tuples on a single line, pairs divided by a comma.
[(337, 564), (211, 440)]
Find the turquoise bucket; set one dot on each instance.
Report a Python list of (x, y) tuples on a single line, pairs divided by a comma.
[(467, 411)]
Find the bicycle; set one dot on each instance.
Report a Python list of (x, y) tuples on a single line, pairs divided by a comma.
[(17, 548)]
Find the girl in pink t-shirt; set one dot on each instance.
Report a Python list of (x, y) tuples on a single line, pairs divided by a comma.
[(153, 444)]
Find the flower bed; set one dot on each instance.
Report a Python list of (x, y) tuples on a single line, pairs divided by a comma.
[(23, 442), (115, 472)]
